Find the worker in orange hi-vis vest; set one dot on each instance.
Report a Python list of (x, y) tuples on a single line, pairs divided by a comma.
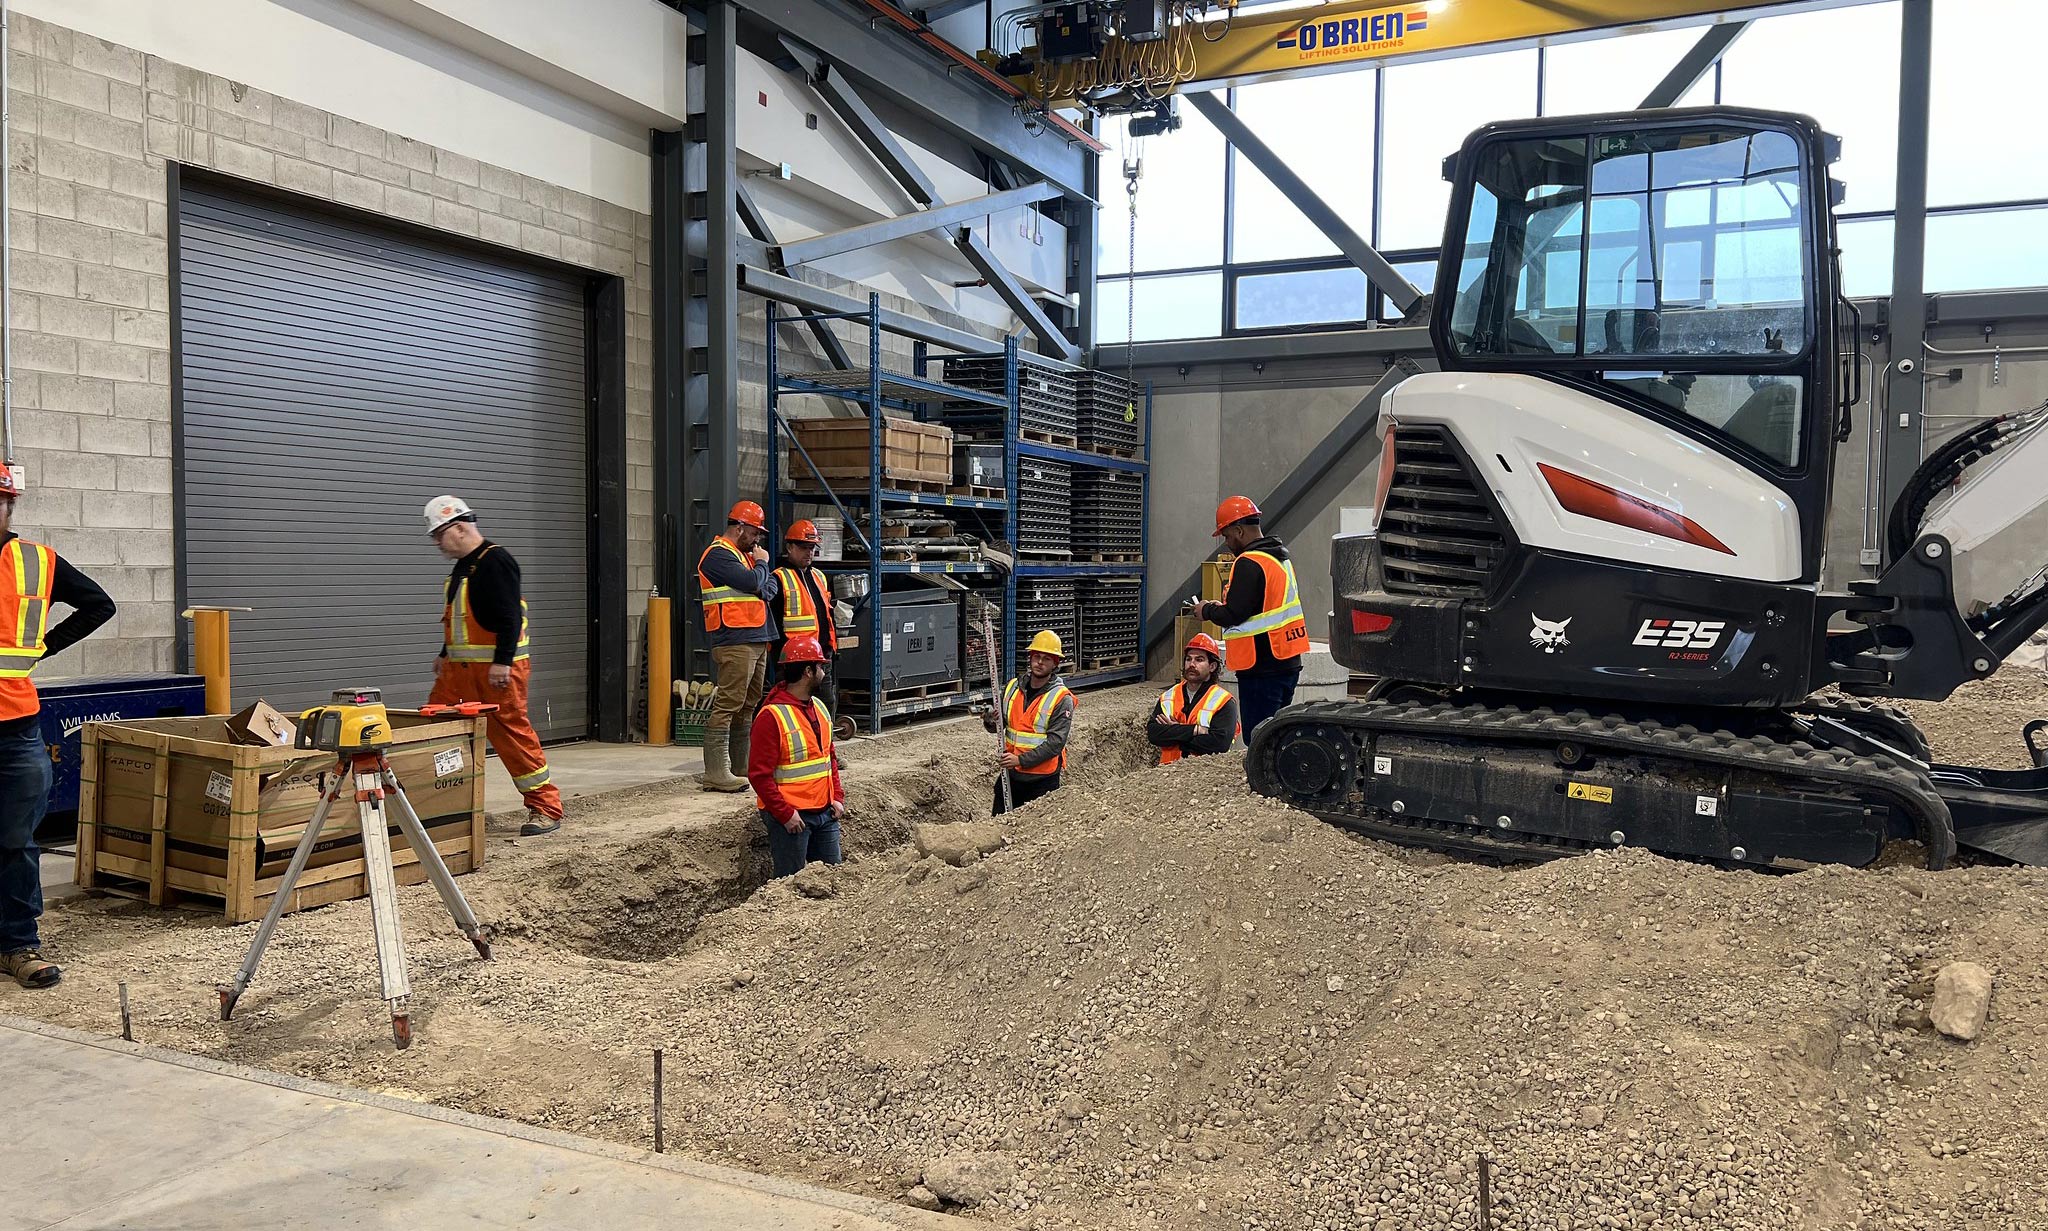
[(485, 653), (33, 578), (736, 585), (791, 767), (1197, 716), (1264, 630), (807, 602), (1036, 717)]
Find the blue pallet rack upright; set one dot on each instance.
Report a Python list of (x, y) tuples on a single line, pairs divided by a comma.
[(876, 391)]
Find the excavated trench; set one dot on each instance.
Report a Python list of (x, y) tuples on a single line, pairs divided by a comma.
[(643, 899)]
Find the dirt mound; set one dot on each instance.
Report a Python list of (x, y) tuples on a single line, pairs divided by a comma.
[(1980, 724), (1164, 1002)]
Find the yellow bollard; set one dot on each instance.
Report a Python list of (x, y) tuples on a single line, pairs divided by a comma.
[(210, 655), (660, 672)]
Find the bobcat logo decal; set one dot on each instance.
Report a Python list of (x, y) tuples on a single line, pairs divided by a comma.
[(1548, 635)]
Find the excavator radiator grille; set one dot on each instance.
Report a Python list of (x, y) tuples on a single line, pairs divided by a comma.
[(1438, 534)]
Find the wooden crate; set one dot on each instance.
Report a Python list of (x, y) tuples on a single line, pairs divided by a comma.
[(921, 452), (171, 810)]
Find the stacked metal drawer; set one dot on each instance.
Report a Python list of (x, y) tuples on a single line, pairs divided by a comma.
[(1042, 604), (1045, 499), (1045, 392), (1109, 512), (1106, 418), (977, 664), (1110, 620)]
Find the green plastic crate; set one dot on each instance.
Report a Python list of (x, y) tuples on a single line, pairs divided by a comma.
[(689, 726)]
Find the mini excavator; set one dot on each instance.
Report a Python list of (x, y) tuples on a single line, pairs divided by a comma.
[(1593, 599)]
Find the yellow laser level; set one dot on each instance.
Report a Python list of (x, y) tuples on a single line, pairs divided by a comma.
[(356, 721)]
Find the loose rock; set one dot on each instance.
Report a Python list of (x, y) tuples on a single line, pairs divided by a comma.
[(1962, 1000)]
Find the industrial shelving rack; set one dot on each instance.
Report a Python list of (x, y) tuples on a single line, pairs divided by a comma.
[(916, 394), (876, 391), (1078, 460)]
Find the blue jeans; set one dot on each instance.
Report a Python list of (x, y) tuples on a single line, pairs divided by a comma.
[(24, 796), (818, 843), (1259, 697)]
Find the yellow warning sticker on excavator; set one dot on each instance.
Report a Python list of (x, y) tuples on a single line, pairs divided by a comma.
[(1586, 790)]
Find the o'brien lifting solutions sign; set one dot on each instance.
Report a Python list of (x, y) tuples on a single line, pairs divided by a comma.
[(1355, 37)]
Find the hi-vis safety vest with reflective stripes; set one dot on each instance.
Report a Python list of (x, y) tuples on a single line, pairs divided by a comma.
[(468, 641), (1279, 620), (1204, 713), (799, 614), (1025, 726), (30, 572), (805, 775), (725, 607)]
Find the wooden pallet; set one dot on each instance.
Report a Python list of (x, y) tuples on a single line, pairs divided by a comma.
[(1127, 452), (928, 487), (1060, 439), (1110, 557), (971, 492), (914, 692), (1110, 663)]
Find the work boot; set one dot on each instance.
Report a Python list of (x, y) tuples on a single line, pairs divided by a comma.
[(538, 823), (742, 745), (717, 768), (30, 970)]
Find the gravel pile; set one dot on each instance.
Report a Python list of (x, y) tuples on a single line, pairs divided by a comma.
[(1153, 1000)]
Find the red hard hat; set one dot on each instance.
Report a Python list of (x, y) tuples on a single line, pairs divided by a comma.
[(747, 513), (1234, 509), (9, 488), (805, 531), (1206, 644), (803, 648)]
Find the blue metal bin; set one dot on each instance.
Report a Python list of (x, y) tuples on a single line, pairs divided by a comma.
[(69, 704)]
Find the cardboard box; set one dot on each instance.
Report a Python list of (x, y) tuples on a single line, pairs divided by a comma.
[(262, 726)]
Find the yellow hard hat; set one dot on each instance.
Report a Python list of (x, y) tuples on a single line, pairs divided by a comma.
[(1047, 642)]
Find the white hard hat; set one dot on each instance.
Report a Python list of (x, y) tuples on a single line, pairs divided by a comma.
[(444, 509)]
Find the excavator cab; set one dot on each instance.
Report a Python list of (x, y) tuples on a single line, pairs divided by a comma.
[(1593, 594), (1680, 264)]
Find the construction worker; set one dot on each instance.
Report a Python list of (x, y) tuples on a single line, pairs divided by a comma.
[(1263, 627), (1037, 720), (1197, 716), (737, 585), (485, 653), (32, 580), (807, 601), (792, 769)]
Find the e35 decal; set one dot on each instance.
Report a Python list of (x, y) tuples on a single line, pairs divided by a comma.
[(1681, 634)]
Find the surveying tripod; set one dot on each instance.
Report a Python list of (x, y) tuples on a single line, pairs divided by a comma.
[(357, 729)]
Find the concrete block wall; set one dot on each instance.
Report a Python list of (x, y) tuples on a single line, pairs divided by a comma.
[(95, 125)]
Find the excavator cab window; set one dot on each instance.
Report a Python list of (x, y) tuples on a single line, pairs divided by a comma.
[(1669, 263)]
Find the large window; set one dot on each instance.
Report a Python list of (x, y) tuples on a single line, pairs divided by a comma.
[(1840, 66), (1431, 108), (1168, 306), (1616, 74), (1371, 143), (1322, 127), (1180, 197)]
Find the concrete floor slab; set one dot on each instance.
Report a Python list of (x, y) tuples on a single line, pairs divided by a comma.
[(596, 769), (114, 1135)]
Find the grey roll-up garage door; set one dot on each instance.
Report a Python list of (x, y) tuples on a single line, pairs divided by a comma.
[(335, 376)]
